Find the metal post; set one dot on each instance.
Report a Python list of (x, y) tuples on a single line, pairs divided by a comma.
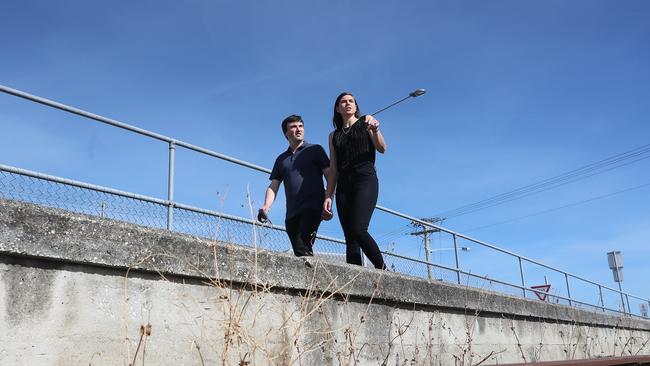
[(521, 273), (568, 290), (627, 299), (618, 280), (620, 291), (457, 263), (170, 186), (427, 251), (602, 303), (103, 209)]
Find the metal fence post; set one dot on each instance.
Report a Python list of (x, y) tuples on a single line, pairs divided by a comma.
[(521, 273), (457, 262), (620, 292), (602, 303), (627, 299), (568, 290), (170, 186)]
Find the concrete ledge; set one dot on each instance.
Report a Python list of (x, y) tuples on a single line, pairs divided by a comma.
[(34, 231)]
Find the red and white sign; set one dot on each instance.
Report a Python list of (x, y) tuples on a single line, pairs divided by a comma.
[(542, 291)]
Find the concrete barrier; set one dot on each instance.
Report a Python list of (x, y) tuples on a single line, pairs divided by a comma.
[(82, 290)]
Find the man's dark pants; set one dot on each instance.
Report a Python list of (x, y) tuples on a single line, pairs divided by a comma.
[(302, 230)]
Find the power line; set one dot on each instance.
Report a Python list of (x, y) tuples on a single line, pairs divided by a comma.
[(546, 188), (599, 167), (394, 233), (565, 178), (556, 208)]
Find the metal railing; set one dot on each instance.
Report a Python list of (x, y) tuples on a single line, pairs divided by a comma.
[(19, 184), (38, 188)]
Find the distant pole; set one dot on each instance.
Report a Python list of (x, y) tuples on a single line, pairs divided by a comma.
[(425, 233), (615, 260)]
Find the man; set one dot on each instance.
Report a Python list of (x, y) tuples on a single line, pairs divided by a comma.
[(301, 169)]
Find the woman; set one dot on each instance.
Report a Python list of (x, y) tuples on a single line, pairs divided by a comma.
[(352, 172)]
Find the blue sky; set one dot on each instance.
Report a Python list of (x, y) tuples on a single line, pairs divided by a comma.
[(518, 92)]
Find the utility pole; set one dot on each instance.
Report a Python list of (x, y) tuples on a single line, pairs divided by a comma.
[(425, 231)]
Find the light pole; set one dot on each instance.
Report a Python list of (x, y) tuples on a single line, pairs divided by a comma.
[(414, 94)]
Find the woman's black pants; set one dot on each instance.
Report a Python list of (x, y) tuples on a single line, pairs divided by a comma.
[(356, 197)]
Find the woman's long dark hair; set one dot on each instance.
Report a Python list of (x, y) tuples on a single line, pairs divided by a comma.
[(337, 121)]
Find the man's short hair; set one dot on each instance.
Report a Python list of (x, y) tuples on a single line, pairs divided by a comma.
[(291, 118)]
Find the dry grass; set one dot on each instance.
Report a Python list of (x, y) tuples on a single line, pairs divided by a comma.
[(260, 325)]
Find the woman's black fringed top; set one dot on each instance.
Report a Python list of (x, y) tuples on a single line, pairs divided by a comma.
[(354, 149)]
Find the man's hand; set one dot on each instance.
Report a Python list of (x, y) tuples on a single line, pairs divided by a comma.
[(262, 215)]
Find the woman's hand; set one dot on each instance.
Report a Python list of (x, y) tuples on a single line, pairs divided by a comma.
[(372, 124), (327, 210)]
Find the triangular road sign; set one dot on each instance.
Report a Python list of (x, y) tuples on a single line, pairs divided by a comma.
[(542, 291)]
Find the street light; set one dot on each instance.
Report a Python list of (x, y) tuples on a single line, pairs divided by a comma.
[(431, 251), (456, 250), (414, 94), (464, 249)]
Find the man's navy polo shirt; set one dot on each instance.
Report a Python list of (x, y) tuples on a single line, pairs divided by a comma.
[(302, 175)]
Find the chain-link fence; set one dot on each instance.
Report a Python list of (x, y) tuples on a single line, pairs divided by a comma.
[(98, 201), (41, 189), (246, 232), (80, 199)]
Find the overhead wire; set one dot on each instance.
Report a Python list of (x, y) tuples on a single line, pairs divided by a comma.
[(546, 188), (557, 208), (584, 172), (394, 233)]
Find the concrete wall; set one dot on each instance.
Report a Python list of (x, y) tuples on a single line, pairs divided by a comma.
[(80, 290)]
